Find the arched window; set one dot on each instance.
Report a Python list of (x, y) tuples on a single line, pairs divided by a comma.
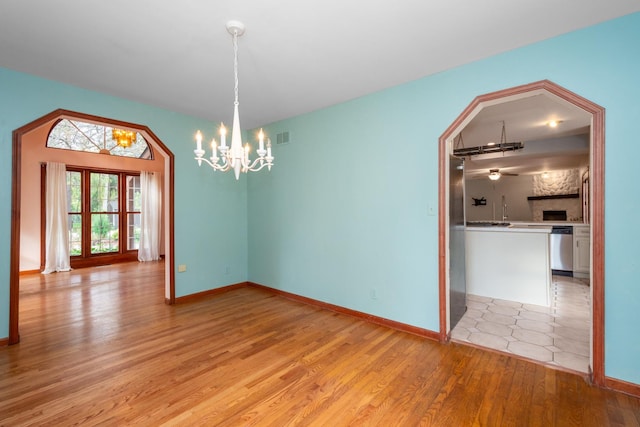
[(103, 204), (96, 138)]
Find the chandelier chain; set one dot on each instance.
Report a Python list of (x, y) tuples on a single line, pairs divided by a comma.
[(235, 64)]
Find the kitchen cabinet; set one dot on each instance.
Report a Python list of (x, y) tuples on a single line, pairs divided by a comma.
[(509, 263), (581, 251)]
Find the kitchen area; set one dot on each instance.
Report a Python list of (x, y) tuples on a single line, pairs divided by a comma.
[(540, 235), (527, 244), (527, 277)]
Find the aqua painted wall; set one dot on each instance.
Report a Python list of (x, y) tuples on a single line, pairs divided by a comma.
[(210, 210), (344, 215)]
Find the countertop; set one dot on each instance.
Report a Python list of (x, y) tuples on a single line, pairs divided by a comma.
[(519, 226), (513, 228), (551, 223)]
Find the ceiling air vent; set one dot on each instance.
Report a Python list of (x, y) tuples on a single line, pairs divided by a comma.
[(282, 138)]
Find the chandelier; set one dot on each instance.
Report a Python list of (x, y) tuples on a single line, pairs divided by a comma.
[(235, 157), (123, 138)]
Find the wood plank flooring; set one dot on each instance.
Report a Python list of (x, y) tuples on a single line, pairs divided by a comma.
[(100, 347)]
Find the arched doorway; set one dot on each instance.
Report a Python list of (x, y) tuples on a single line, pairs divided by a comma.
[(596, 197), (168, 186)]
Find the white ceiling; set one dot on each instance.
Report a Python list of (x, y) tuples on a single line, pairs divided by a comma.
[(295, 57)]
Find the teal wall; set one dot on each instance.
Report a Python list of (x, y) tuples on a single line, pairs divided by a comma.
[(210, 209), (345, 211)]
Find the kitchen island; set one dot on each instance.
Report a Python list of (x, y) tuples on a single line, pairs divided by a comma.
[(509, 262)]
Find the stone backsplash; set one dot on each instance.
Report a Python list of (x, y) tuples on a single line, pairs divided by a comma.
[(553, 184), (556, 182)]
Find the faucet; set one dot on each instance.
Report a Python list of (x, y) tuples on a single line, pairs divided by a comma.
[(504, 209)]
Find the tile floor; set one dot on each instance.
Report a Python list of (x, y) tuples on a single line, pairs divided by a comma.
[(558, 335)]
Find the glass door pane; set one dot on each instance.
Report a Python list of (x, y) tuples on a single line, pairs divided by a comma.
[(105, 218), (104, 192), (74, 208), (104, 233), (133, 212), (133, 225), (75, 234)]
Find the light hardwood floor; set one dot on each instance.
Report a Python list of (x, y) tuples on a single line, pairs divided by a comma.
[(100, 347)]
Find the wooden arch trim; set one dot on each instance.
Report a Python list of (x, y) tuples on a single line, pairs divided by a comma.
[(14, 268), (597, 204)]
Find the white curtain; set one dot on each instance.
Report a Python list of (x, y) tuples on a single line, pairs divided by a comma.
[(56, 231), (150, 215)]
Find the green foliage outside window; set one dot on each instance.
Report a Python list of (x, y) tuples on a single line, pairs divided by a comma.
[(104, 192), (104, 196), (104, 212), (104, 233)]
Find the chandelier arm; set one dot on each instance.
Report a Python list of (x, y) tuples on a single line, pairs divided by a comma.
[(251, 166), (219, 167), (254, 168)]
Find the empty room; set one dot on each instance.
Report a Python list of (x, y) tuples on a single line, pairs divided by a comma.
[(319, 213)]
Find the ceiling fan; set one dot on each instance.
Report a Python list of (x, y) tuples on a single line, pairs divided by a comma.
[(495, 174)]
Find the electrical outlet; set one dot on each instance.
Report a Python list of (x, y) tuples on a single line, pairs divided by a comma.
[(227, 270), (373, 293), (182, 268)]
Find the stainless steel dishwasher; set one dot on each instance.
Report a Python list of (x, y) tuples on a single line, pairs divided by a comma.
[(561, 248)]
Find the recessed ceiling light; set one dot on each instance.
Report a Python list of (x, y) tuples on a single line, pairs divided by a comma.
[(554, 123)]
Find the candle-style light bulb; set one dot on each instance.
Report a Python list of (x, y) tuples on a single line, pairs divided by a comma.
[(214, 149), (199, 140), (261, 141), (223, 136)]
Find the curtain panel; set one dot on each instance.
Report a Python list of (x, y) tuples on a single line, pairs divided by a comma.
[(56, 230), (150, 217)]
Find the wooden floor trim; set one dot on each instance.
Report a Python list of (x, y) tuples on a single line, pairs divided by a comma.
[(425, 333), (217, 291), (622, 386), (29, 272)]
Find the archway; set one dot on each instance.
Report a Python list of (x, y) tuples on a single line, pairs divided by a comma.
[(597, 203), (168, 209)]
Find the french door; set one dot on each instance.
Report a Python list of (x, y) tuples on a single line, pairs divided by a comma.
[(103, 216)]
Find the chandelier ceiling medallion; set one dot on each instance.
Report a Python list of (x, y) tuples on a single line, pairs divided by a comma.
[(235, 157)]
